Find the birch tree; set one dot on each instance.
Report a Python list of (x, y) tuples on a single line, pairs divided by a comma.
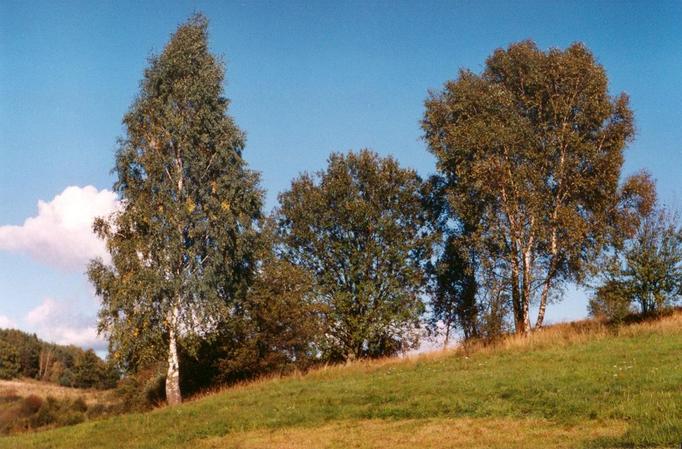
[(534, 146), (182, 245)]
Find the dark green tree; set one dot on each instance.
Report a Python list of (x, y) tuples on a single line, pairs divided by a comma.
[(454, 302), (361, 229), (281, 325), (88, 370), (28, 348), (181, 246), (276, 329), (10, 366), (531, 152), (454, 287)]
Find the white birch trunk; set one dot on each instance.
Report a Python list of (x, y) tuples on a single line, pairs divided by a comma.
[(173, 396)]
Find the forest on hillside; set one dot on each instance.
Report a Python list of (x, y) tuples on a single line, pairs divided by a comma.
[(25, 355)]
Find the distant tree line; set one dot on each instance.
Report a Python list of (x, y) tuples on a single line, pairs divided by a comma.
[(25, 355), (358, 258)]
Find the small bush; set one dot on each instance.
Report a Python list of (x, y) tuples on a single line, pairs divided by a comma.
[(69, 418), (79, 405), (155, 390), (610, 303), (47, 414), (9, 419), (30, 405), (67, 378), (141, 391), (98, 410)]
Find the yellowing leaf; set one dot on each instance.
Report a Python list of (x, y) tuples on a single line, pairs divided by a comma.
[(190, 205)]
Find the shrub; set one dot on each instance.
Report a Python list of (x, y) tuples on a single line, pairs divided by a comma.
[(8, 419), (67, 378), (141, 391), (47, 414), (30, 405), (79, 405), (98, 410), (69, 418), (610, 303)]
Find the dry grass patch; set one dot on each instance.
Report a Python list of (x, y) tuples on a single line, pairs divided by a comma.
[(27, 387), (463, 433)]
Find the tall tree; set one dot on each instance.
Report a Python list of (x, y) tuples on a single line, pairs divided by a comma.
[(532, 149), (361, 229), (182, 245)]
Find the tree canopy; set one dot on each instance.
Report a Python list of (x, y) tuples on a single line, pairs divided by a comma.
[(530, 152), (182, 245), (361, 229)]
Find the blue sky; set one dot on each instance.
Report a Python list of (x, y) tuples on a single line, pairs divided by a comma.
[(305, 79)]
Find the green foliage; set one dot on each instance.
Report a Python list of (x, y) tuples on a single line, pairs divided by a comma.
[(643, 270), (182, 245), (89, 371), (27, 349), (276, 329), (530, 152), (141, 390), (58, 413), (361, 229), (23, 354), (280, 323), (611, 302), (9, 361), (454, 302), (67, 378)]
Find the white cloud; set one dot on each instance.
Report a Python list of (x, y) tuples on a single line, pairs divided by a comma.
[(42, 313), (6, 322), (61, 233), (61, 322)]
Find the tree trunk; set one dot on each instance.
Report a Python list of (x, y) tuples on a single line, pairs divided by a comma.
[(526, 292), (548, 281), (173, 395), (543, 300), (516, 297), (543, 305)]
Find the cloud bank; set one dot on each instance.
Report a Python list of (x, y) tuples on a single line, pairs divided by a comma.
[(6, 322), (61, 234), (61, 322)]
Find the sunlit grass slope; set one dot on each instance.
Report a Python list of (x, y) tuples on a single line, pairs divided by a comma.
[(569, 386)]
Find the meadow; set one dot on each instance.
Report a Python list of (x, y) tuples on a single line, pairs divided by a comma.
[(573, 385)]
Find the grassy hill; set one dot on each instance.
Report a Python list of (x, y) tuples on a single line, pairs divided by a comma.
[(569, 386)]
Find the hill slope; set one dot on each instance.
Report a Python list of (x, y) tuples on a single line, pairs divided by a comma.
[(569, 386)]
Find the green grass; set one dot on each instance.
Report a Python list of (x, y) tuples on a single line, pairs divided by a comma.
[(594, 389)]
